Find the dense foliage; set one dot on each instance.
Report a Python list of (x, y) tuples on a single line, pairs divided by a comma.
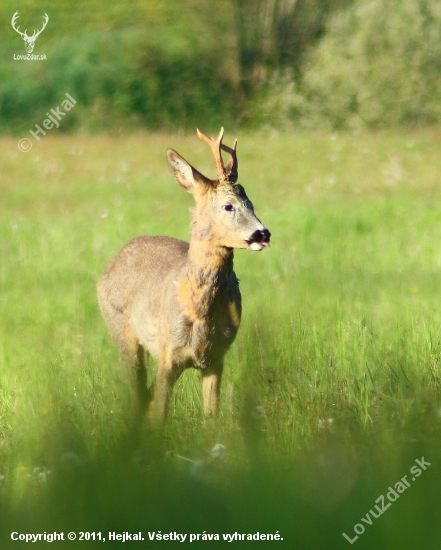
[(313, 63), (378, 66)]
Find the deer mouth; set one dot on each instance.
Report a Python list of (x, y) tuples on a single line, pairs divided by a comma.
[(259, 240)]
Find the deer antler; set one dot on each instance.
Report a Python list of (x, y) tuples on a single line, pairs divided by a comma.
[(13, 21), (231, 168), (228, 173), (45, 20), (24, 34)]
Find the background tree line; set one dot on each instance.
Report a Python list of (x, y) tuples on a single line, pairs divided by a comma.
[(170, 65)]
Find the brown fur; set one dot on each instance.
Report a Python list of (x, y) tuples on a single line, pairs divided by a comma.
[(181, 301)]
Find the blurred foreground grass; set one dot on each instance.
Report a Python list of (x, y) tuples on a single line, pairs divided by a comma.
[(331, 390)]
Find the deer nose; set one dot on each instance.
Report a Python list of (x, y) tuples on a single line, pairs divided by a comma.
[(261, 236), (266, 236)]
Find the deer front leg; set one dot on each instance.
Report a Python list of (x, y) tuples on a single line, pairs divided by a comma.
[(143, 393), (211, 381), (166, 377), (135, 360)]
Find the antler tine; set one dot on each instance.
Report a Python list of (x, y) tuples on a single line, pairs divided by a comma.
[(45, 22), (231, 168), (215, 146), (14, 21)]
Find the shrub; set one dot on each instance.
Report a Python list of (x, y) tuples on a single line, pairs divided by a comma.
[(124, 78), (377, 66)]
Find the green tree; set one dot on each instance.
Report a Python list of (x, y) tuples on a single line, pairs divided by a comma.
[(377, 66), (272, 35)]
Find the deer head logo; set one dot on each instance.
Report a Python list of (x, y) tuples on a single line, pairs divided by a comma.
[(29, 40)]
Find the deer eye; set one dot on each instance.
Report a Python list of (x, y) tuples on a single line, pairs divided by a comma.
[(228, 207)]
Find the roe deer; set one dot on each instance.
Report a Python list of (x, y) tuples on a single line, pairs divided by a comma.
[(180, 301)]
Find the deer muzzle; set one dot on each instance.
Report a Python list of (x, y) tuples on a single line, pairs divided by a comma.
[(259, 239)]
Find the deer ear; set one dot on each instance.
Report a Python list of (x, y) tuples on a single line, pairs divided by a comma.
[(184, 173)]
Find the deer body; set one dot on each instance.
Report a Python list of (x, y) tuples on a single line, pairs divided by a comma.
[(180, 301)]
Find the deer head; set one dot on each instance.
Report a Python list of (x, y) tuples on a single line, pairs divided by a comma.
[(224, 216), (29, 40)]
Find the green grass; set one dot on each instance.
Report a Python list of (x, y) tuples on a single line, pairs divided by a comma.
[(331, 390)]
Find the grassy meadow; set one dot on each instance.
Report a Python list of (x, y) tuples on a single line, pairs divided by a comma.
[(330, 392)]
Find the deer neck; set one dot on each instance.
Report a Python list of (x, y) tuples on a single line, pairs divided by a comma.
[(206, 278)]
